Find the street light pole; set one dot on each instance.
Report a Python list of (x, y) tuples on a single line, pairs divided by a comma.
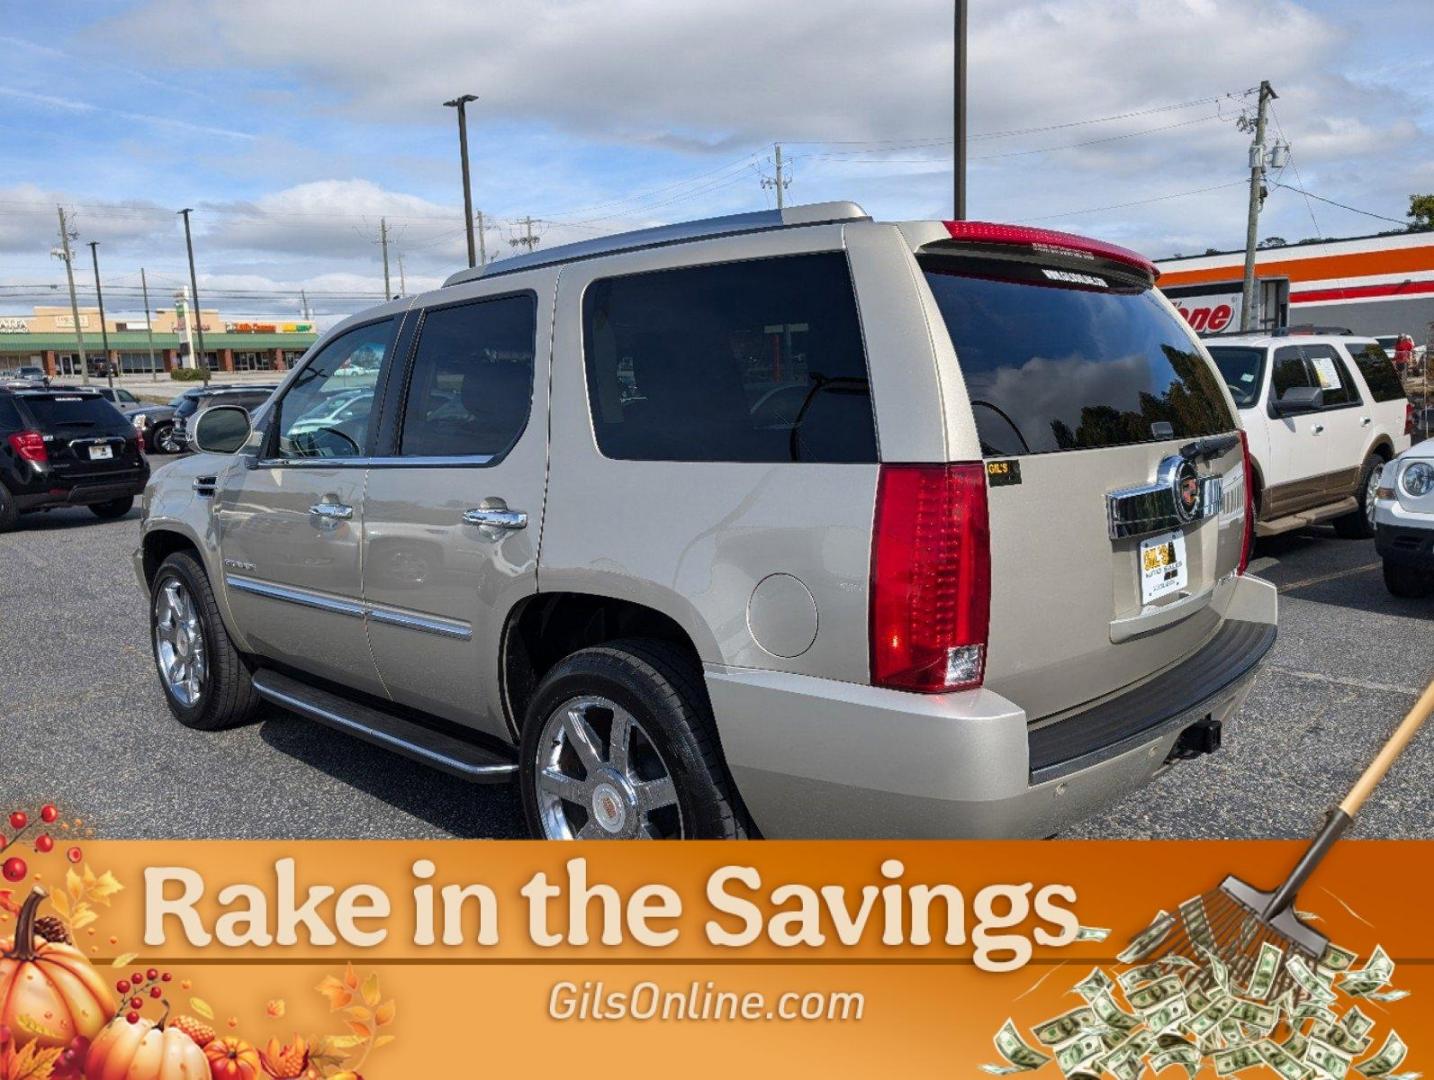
[(194, 318), (460, 104), (148, 324), (69, 257), (104, 330), (959, 124)]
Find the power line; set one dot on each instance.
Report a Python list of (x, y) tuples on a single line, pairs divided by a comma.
[(1352, 209), (1140, 202)]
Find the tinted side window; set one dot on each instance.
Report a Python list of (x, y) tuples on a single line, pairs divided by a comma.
[(1378, 371), (472, 383), (9, 416), (751, 361), (346, 370), (1290, 371), (1330, 375)]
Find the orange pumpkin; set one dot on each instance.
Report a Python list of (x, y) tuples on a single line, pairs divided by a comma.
[(144, 1051), (233, 1059), (49, 994)]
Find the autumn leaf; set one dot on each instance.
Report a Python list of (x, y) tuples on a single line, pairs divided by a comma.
[(103, 888), (384, 1014), (383, 1040), (363, 1031), (84, 915), (371, 994), (359, 1013), (334, 1045), (337, 993), (202, 1007), (74, 885), (33, 1063), (276, 1008), (61, 903), (351, 979), (7, 902), (123, 960)]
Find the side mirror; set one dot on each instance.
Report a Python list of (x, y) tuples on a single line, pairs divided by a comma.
[(1299, 399), (222, 429)]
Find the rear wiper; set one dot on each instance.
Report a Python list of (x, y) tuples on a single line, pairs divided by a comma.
[(1212, 446)]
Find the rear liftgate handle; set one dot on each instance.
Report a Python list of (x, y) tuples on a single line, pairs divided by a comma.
[(1342, 816)]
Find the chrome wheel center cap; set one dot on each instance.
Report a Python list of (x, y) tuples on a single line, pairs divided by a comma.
[(609, 807)]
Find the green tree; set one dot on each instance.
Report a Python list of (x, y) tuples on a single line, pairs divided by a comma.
[(1421, 212)]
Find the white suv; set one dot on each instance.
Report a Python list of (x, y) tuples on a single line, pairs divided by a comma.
[(1323, 415)]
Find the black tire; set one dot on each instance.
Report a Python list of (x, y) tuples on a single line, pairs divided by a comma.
[(1408, 582), (227, 698), (159, 440), (115, 508), (1357, 525), (9, 512), (661, 685)]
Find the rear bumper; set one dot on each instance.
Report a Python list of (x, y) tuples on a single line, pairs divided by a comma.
[(61, 492), (820, 758)]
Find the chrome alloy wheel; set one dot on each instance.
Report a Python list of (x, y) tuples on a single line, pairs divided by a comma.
[(179, 643), (1370, 491), (598, 776)]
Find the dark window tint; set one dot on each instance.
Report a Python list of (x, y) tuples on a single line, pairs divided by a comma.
[(76, 412), (752, 361), (1378, 371), (1242, 369), (1289, 372), (9, 416), (1330, 375), (472, 383), (307, 417), (1052, 365), (188, 406)]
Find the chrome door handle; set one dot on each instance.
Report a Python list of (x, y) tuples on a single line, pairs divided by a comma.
[(332, 511), (496, 517), (1365, 421), (1318, 428)]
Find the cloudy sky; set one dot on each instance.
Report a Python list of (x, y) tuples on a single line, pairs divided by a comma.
[(292, 128)]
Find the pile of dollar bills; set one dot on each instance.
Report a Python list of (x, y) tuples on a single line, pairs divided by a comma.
[(1191, 1011)]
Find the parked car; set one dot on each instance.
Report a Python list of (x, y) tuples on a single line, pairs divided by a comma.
[(1323, 414), (26, 374), (193, 402), (1405, 516), (66, 447), (843, 528)]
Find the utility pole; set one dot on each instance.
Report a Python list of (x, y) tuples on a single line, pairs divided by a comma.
[(148, 325), (482, 242), (460, 104), (104, 330), (402, 283), (304, 299), (1257, 199), (958, 129), (181, 300), (527, 240), (67, 255), (197, 322), (383, 241), (780, 182)]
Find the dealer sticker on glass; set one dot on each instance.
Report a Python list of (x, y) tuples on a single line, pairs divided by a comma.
[(1162, 566)]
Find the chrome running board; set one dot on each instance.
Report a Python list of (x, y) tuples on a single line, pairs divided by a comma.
[(465, 760)]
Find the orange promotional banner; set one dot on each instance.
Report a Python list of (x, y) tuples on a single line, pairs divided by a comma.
[(407, 959)]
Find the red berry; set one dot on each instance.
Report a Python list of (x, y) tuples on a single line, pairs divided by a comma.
[(137, 978), (132, 1017), (136, 1003), (165, 977), (15, 869), (19, 819), (74, 854), (44, 843), (2, 843), (122, 986), (155, 992), (152, 974), (48, 814)]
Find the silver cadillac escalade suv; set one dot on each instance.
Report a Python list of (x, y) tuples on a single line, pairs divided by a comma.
[(791, 523)]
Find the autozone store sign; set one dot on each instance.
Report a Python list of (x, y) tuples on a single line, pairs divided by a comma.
[(1210, 314)]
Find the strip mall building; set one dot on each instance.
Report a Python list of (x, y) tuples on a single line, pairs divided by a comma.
[(1368, 284), (47, 339)]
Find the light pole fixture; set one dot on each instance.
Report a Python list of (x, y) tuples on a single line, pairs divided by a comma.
[(460, 103)]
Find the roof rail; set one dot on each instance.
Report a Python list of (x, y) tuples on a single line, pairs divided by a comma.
[(662, 235)]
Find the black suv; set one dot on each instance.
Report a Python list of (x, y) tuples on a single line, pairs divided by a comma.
[(193, 402), (66, 447)]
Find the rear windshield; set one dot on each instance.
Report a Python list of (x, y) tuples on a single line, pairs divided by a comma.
[(87, 411), (1054, 364), (1241, 368), (1378, 371), (187, 406)]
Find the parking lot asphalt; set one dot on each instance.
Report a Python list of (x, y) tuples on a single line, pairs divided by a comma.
[(85, 723)]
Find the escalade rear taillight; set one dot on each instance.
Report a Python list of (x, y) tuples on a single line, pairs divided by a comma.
[(30, 445), (1248, 540), (930, 578)]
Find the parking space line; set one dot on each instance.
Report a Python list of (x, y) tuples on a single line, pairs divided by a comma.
[(1322, 578), (1356, 684)]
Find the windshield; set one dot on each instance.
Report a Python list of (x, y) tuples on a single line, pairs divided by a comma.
[(78, 411), (1053, 365), (1241, 369)]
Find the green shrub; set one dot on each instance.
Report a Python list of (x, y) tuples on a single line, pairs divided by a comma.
[(187, 374)]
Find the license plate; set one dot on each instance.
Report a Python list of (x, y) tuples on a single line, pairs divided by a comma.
[(1163, 569), (101, 453)]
